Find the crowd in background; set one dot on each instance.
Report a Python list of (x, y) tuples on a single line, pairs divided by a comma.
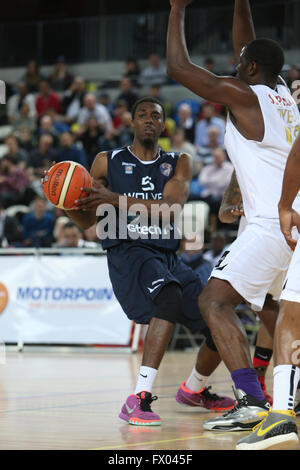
[(65, 117)]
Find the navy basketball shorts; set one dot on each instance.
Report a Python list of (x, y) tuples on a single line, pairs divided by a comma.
[(139, 272)]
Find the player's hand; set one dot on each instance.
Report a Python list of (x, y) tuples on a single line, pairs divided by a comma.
[(45, 177), (238, 211), (180, 3), (95, 196), (289, 219)]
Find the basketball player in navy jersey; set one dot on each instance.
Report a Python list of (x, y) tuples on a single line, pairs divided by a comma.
[(151, 283), (262, 123)]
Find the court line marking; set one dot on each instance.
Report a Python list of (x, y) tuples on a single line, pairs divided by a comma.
[(88, 392), (116, 446)]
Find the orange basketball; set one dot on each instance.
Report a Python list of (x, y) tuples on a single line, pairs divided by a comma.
[(63, 182)]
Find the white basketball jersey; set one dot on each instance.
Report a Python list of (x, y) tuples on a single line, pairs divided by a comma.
[(260, 166)]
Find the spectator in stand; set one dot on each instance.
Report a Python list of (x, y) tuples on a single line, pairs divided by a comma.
[(9, 229), (218, 246), (214, 179), (47, 99), (32, 77), (68, 150), (180, 144), (155, 92), (93, 109), (13, 181), (47, 127), (105, 100), (58, 231), (60, 79), (25, 139), (127, 93), (41, 157), (72, 100), (16, 101), (90, 139), (208, 120), (210, 64), (119, 109), (155, 73), (126, 131), (72, 237), (38, 225), (205, 153), (292, 75), (132, 70), (186, 121), (57, 120), (19, 155), (24, 119)]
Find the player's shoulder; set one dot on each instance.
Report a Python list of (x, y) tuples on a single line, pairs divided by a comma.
[(110, 154)]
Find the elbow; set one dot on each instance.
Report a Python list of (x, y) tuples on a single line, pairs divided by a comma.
[(174, 69), (225, 218), (170, 71)]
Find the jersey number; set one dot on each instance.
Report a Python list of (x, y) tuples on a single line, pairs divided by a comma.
[(218, 265), (291, 134)]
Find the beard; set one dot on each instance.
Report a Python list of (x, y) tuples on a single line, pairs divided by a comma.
[(148, 142)]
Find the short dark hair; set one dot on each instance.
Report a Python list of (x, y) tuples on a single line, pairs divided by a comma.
[(268, 54), (71, 224), (147, 99)]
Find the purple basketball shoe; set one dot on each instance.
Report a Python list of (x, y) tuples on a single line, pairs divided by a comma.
[(203, 399), (137, 410)]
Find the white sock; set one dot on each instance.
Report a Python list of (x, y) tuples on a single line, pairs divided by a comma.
[(196, 381), (146, 379), (286, 378)]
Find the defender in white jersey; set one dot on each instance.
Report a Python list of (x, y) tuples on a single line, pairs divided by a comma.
[(281, 420), (262, 123)]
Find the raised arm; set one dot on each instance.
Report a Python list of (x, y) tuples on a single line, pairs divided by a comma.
[(229, 91), (232, 204), (290, 188), (243, 28)]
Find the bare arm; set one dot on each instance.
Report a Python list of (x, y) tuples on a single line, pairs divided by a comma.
[(243, 29), (229, 91), (232, 204), (87, 218), (176, 191)]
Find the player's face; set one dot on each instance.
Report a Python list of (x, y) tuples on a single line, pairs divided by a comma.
[(148, 123), (71, 237)]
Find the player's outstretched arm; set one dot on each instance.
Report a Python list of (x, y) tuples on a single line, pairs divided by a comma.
[(290, 188), (229, 91), (243, 30), (232, 204)]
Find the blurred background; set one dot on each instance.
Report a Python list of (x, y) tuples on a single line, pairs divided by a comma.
[(73, 70)]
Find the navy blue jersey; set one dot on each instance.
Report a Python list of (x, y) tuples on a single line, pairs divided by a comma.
[(129, 176)]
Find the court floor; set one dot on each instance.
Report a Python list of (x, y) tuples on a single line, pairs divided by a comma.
[(71, 400)]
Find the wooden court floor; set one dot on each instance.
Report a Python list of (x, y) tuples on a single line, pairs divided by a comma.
[(59, 400)]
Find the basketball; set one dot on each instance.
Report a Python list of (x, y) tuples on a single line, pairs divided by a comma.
[(63, 182)]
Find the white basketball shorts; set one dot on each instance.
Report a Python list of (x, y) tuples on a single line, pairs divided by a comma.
[(256, 263)]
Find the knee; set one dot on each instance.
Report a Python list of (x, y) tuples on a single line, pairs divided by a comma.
[(169, 303), (211, 307), (207, 304)]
